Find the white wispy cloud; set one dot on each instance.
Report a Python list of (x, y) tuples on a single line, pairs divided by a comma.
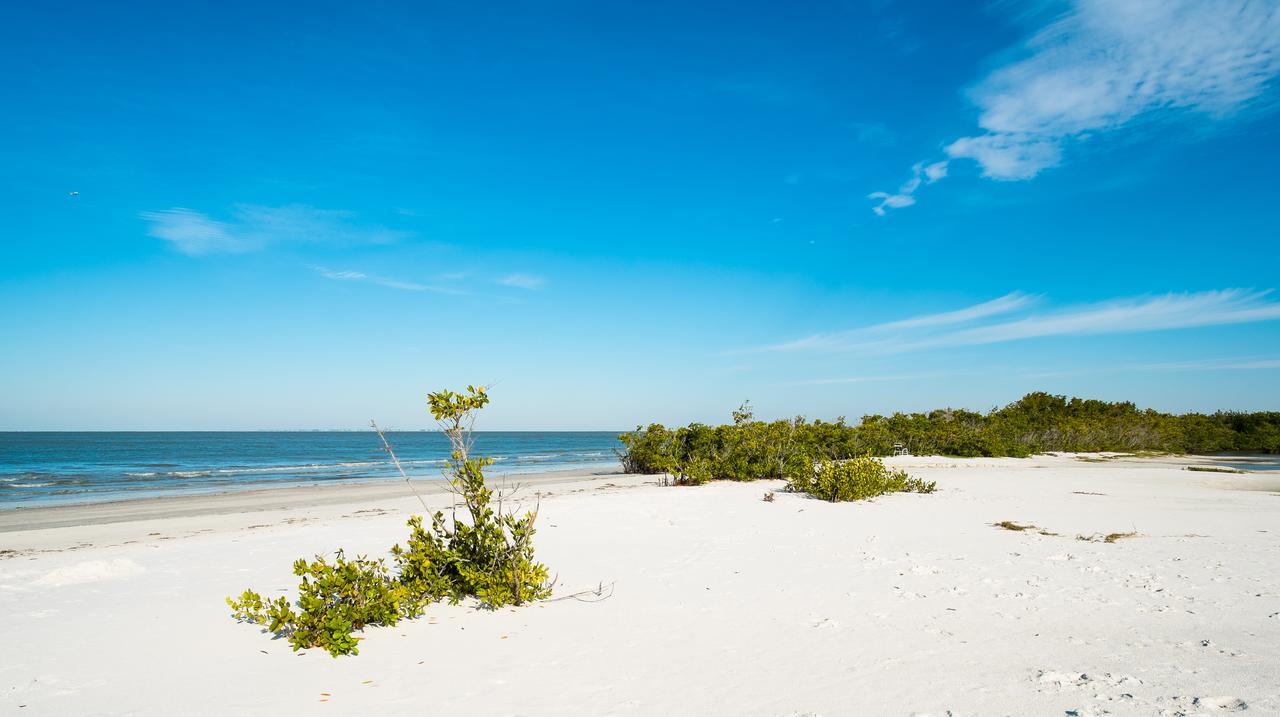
[(194, 233), (878, 334), (871, 379), (1107, 63), (1202, 365), (1104, 66), (340, 275), (1008, 157), (447, 283), (935, 171), (1131, 315), (1214, 364), (1259, 365), (1010, 302), (921, 174), (972, 326), (344, 275), (253, 227), (523, 281)]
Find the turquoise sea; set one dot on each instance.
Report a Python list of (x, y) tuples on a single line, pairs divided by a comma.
[(63, 468)]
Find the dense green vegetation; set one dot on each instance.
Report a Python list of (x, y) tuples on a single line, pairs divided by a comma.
[(1037, 423), (855, 479), (487, 556)]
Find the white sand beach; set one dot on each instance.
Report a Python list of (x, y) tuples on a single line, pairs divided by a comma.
[(715, 601)]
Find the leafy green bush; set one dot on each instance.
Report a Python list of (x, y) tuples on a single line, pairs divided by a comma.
[(335, 599), (695, 454), (749, 449), (488, 557), (855, 479), (491, 557)]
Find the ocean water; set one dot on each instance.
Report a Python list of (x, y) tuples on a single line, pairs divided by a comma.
[(63, 468), (1249, 462)]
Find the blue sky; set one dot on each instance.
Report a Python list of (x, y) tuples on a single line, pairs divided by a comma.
[(273, 215)]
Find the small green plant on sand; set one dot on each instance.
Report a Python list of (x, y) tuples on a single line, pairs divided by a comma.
[(489, 557), (334, 600), (855, 479)]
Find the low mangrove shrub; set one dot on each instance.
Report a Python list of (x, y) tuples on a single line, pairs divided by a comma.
[(334, 600), (486, 554), (490, 559), (695, 454), (854, 479), (749, 449)]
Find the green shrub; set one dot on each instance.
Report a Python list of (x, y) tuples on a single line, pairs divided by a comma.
[(334, 600), (855, 479), (750, 449), (488, 557), (692, 455)]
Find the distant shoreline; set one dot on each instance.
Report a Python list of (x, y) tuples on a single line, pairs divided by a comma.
[(251, 500), (62, 469), (241, 501), (388, 431)]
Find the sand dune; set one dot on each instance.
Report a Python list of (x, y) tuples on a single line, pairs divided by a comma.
[(715, 602)]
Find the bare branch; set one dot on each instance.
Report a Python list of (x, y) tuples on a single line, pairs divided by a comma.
[(394, 459), (597, 594)]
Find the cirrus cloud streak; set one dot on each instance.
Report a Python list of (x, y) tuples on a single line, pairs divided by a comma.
[(1105, 67), (997, 321), (255, 227)]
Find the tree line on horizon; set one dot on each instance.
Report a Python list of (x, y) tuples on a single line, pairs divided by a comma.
[(1039, 422)]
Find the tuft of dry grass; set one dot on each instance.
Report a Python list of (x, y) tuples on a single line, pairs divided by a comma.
[(1094, 538), (1118, 456), (1010, 525), (1019, 527), (1108, 538)]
